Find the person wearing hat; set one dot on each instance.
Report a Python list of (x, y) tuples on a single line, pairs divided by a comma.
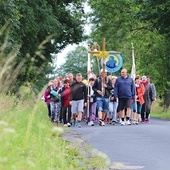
[(113, 103), (154, 88), (149, 97), (102, 89), (124, 91)]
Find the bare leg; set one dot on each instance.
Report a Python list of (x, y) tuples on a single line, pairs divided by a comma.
[(100, 115), (74, 118), (137, 118), (79, 116), (128, 113), (122, 114), (103, 115), (134, 117)]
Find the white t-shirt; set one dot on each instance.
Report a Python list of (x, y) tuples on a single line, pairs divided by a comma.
[(91, 93)]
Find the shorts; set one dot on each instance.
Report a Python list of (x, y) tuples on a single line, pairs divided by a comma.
[(77, 106), (124, 103), (139, 107), (102, 104)]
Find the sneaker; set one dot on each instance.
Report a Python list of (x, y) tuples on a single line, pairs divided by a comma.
[(136, 123), (79, 125), (122, 123), (65, 125), (113, 123), (55, 120), (128, 122), (147, 121), (91, 123), (74, 122), (102, 124), (105, 121), (68, 124), (96, 119), (142, 121)]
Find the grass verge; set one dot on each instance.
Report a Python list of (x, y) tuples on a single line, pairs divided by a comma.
[(158, 112), (28, 140)]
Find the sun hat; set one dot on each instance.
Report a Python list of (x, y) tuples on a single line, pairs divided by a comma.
[(144, 78)]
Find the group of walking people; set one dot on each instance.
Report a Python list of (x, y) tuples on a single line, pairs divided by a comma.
[(104, 99)]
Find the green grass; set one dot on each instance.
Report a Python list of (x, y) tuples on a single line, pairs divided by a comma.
[(29, 141), (158, 112)]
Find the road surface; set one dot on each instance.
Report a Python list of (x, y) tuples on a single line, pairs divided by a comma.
[(143, 146)]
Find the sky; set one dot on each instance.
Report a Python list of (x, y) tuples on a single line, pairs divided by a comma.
[(60, 57)]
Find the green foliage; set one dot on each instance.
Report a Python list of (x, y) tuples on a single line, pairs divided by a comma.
[(146, 24), (156, 13), (37, 29), (159, 111)]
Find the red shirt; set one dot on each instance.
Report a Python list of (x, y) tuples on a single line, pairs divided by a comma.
[(145, 83), (66, 96)]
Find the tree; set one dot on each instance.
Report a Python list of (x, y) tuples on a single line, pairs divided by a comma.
[(38, 28), (157, 14), (122, 22)]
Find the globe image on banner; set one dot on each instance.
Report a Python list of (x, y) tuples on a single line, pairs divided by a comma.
[(114, 63)]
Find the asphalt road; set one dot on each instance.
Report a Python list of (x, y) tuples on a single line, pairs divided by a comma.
[(143, 146)]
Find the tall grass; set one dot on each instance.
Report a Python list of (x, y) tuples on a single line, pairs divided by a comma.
[(157, 111), (28, 140)]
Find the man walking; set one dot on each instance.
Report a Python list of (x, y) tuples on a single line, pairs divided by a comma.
[(78, 98), (102, 91), (124, 90)]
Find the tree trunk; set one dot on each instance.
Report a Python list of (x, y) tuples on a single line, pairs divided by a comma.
[(167, 91), (166, 100)]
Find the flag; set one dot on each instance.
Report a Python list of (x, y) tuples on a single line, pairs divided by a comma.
[(133, 75), (88, 66), (133, 71), (90, 72)]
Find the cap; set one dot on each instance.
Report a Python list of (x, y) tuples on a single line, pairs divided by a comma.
[(144, 78), (114, 77)]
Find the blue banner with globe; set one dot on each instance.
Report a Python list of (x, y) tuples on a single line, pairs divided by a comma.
[(114, 63)]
